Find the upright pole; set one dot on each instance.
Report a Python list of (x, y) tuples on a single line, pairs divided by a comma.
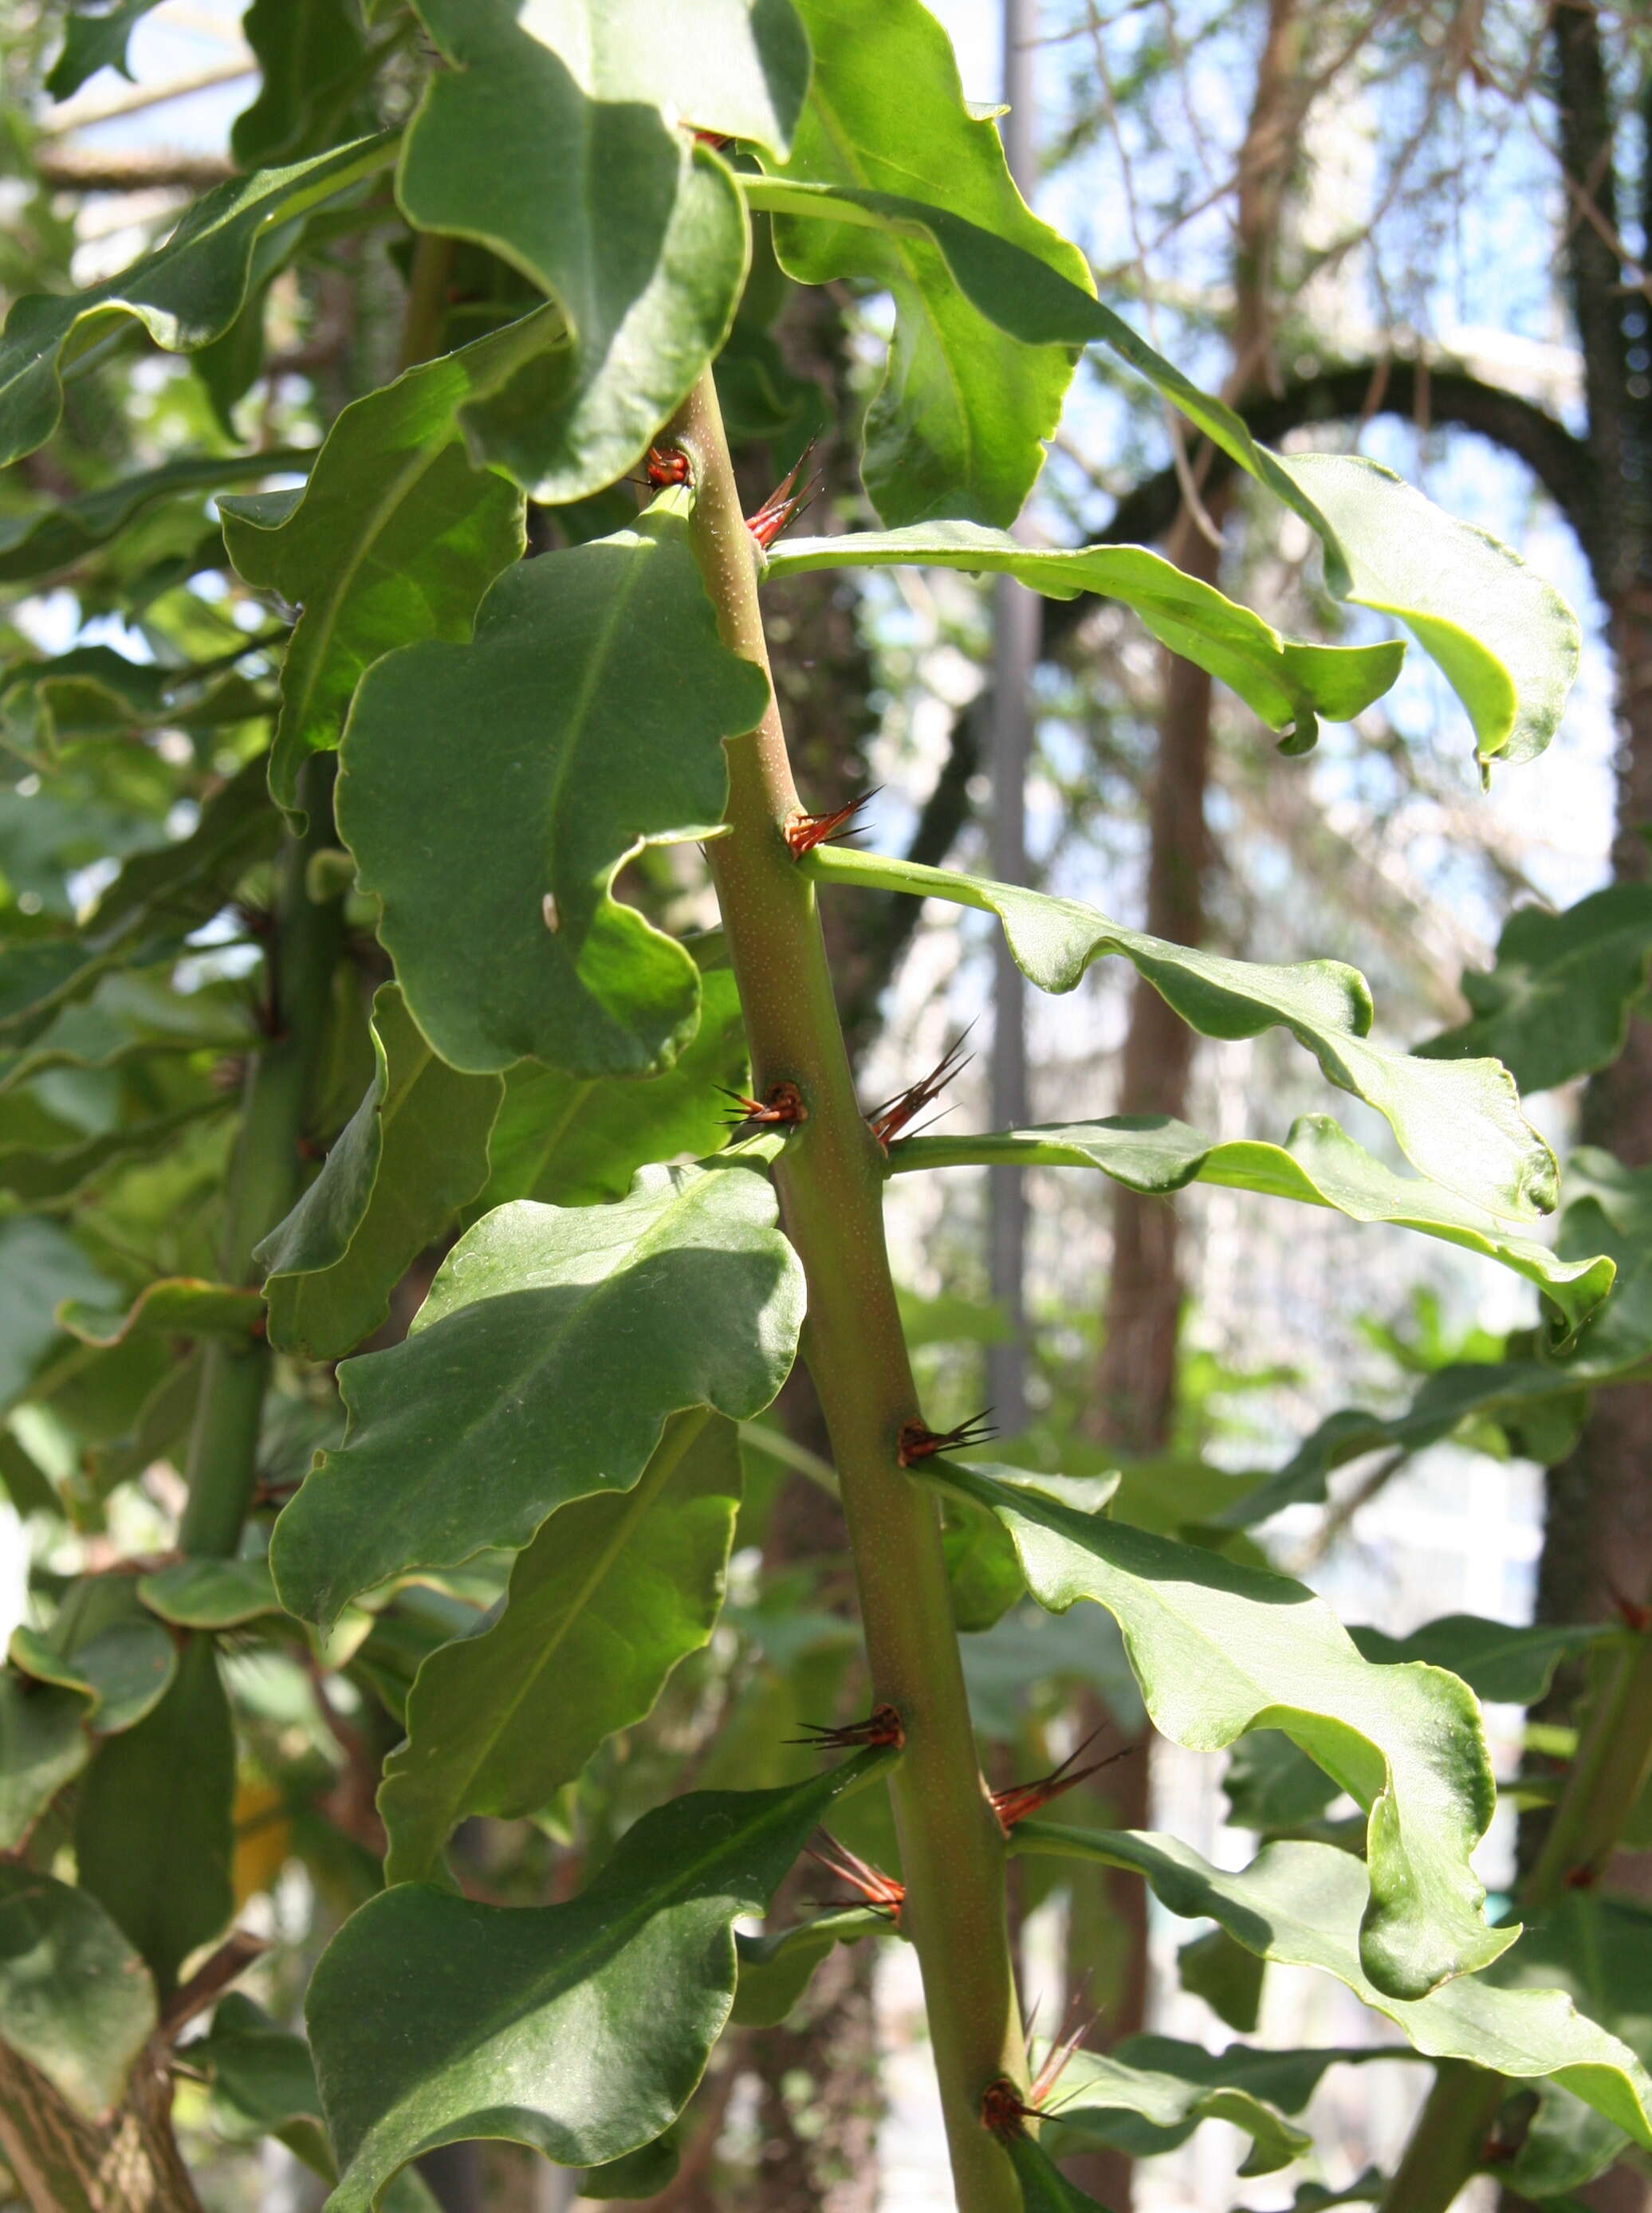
[(1016, 630)]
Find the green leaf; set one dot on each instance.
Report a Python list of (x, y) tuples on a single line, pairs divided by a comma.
[(1219, 1647), (1303, 1904), (176, 1306), (1045, 2188), (1597, 1948), (1273, 1786), (40, 1267), (570, 1140), (596, 699), (643, 2173), (1555, 1003), (1226, 1976), (153, 1832), (396, 535), (554, 1343), (263, 2083), (610, 1595), (74, 1997), (1459, 1124), (1610, 1205), (1316, 2197), (43, 1744), (43, 1177), (170, 888), (413, 1153), (1145, 2110), (121, 1663), (958, 423), (185, 294), (1506, 641), (1509, 1393), (94, 42), (1504, 638), (777, 1967), (40, 541), (581, 2029), (1319, 1165), (1288, 686), (310, 52), (1500, 1663), (209, 1594), (561, 162)]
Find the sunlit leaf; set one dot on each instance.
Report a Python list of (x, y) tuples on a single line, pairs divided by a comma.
[(1505, 640), (1303, 1904), (209, 1594), (1319, 1165), (554, 1343), (1220, 1648), (1459, 1124), (958, 423), (611, 1594), (1288, 685), (175, 1305)]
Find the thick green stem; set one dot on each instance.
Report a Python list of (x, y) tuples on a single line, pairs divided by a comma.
[(1447, 2146), (264, 1177), (831, 1181)]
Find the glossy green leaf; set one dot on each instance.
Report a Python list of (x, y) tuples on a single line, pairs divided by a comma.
[(1501, 635), (1303, 1904), (554, 1343), (596, 699), (570, 1140), (176, 1306), (1219, 1647), (395, 536), (93, 42), (1510, 1393), (1123, 2099), (310, 53), (40, 541), (1319, 1165), (120, 1663), (209, 1594), (776, 1968), (185, 293), (1288, 685), (43, 1744), (958, 423), (581, 2029), (153, 1832), (1459, 1124), (74, 2001), (610, 1595), (1555, 1002), (545, 142), (1505, 640), (413, 1153)]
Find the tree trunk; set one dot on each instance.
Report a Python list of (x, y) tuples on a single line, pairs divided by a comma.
[(63, 2163)]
